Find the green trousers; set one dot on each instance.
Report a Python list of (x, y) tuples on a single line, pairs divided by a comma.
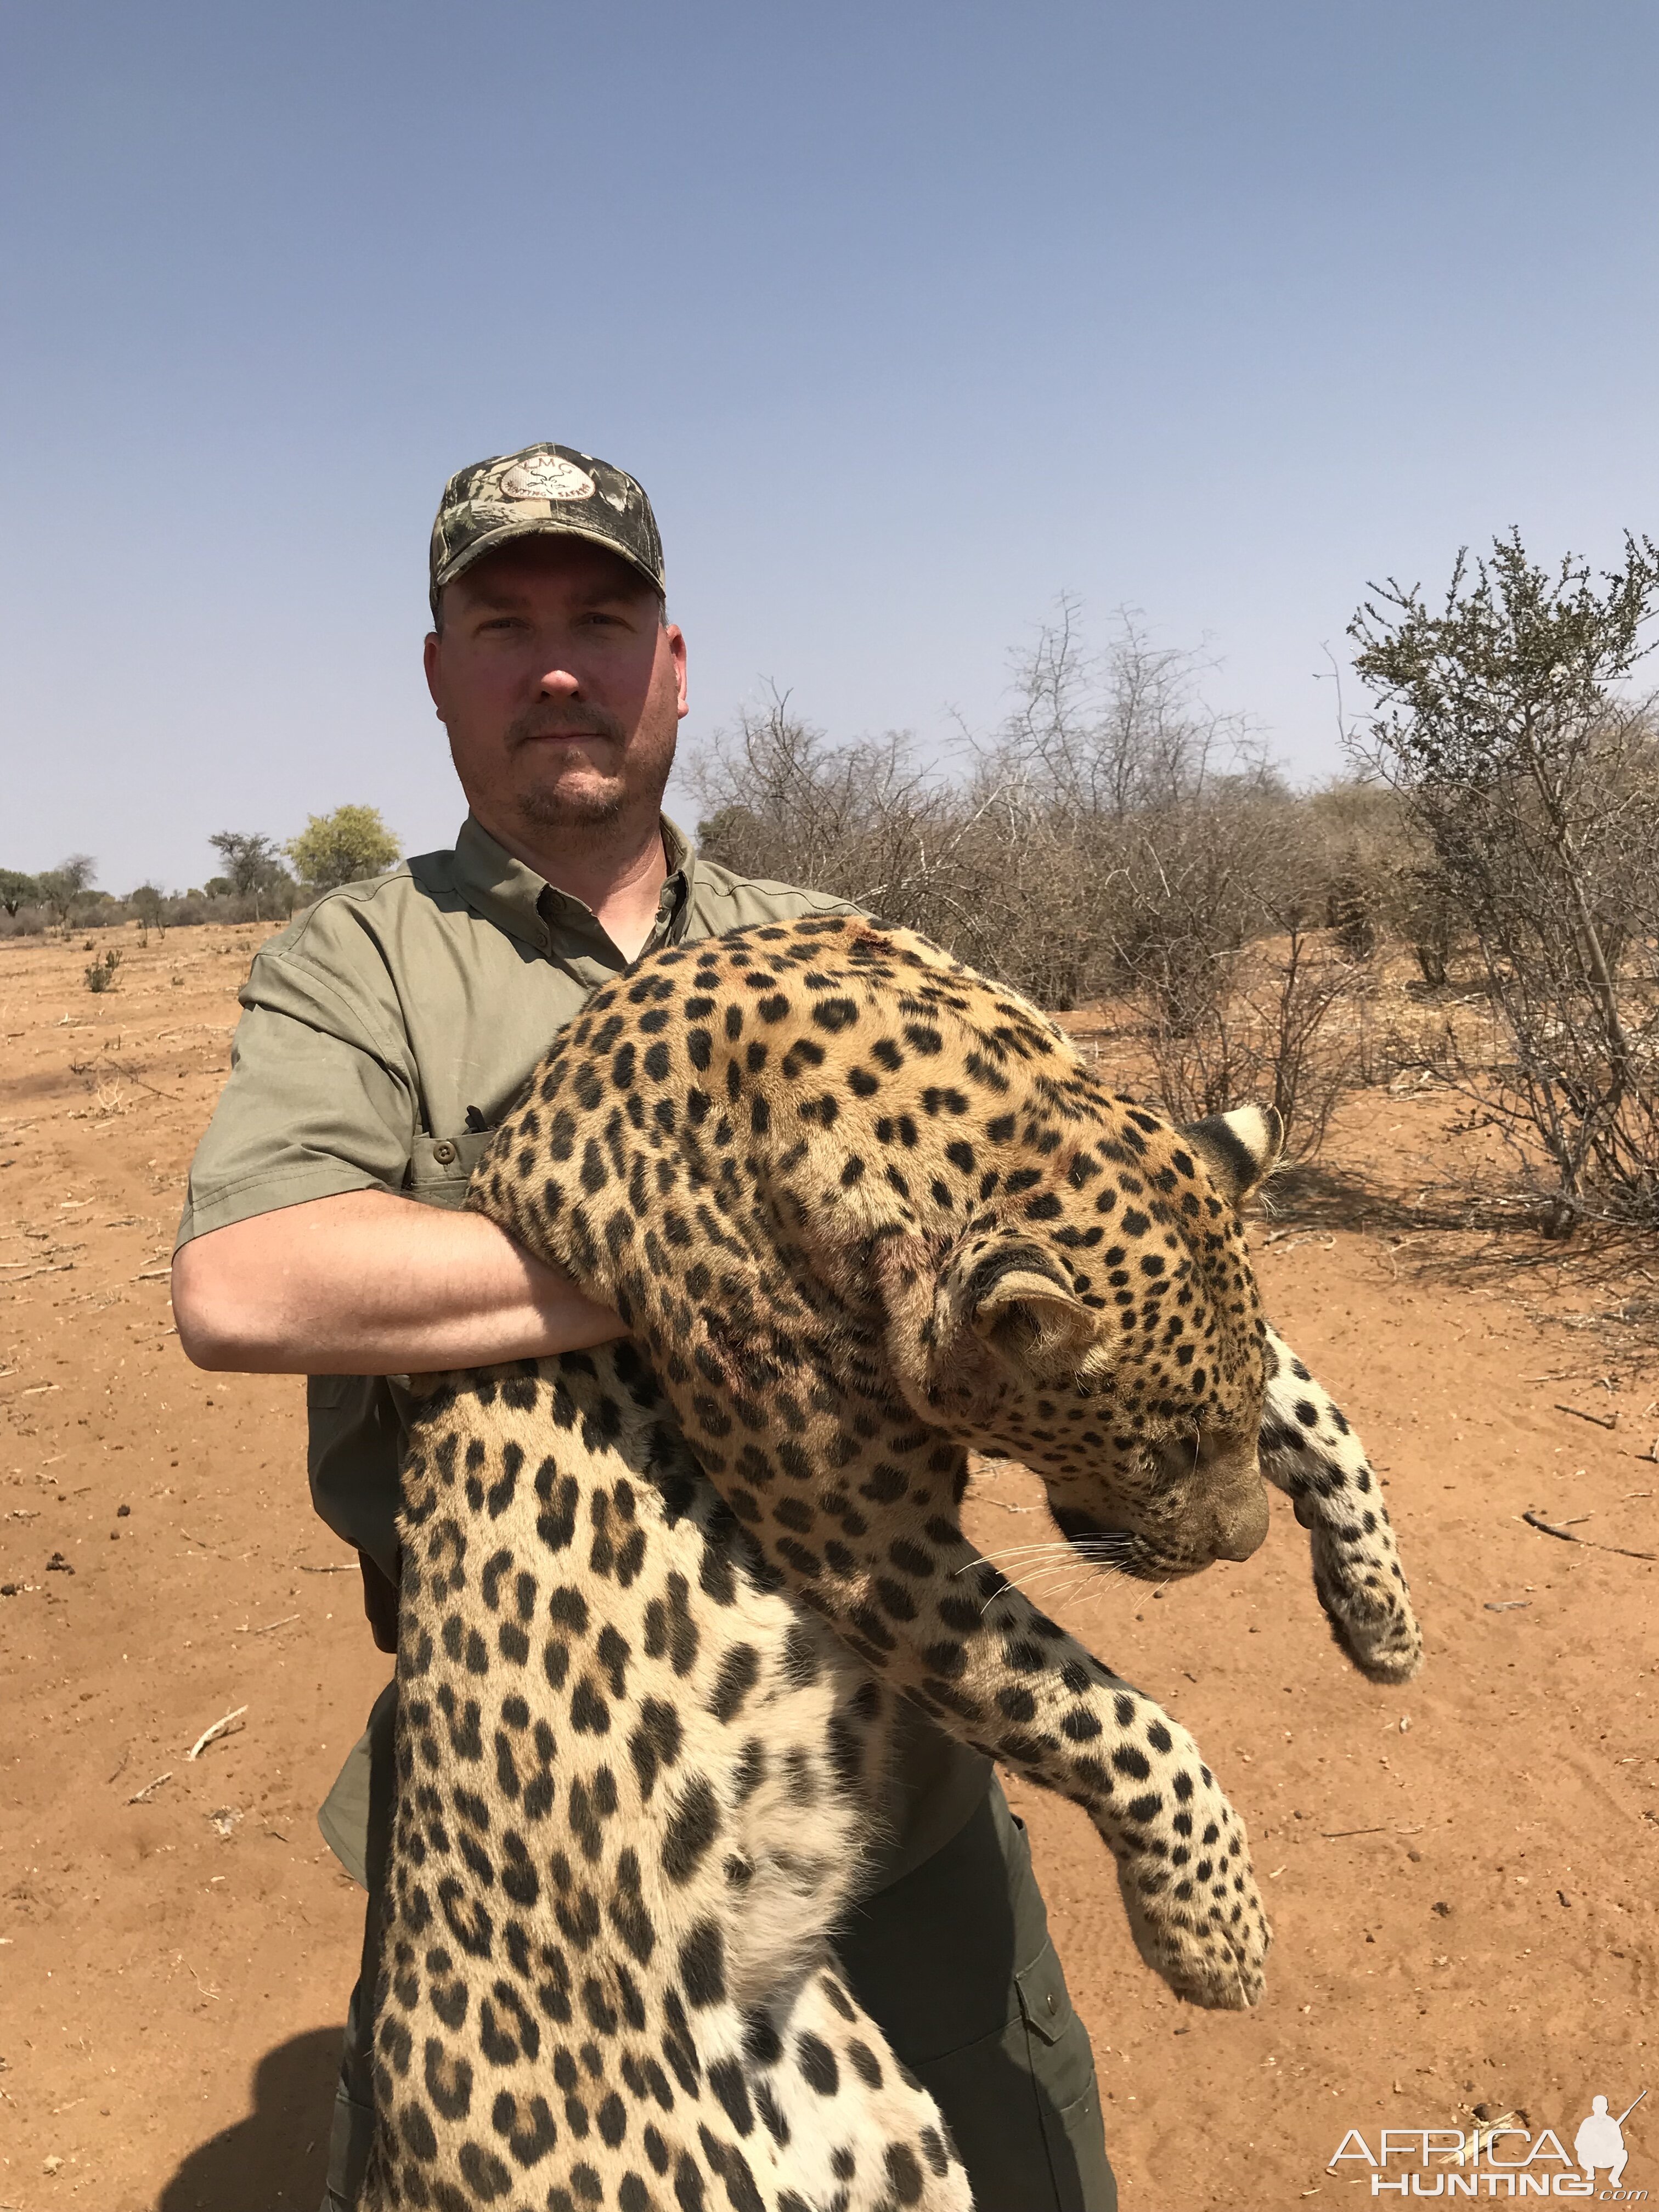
[(954, 1963)]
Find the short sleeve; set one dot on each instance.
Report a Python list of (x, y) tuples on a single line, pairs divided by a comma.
[(322, 1096)]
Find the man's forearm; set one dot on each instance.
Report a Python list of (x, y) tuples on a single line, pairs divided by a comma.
[(367, 1283)]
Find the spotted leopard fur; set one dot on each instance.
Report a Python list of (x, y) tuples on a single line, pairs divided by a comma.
[(1308, 1450), (861, 1211)]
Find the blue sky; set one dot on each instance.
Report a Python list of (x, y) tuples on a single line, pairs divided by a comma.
[(908, 317)]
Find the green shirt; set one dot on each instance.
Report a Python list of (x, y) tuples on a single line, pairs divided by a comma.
[(385, 1033)]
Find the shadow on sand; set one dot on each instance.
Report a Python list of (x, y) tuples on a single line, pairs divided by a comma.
[(274, 2160)]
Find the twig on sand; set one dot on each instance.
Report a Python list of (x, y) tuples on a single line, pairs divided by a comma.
[(121, 1765), (348, 1567), (224, 1727), (1601, 1421), (1334, 1835), (141, 1796), (212, 1550), (1548, 1528), (267, 1627)]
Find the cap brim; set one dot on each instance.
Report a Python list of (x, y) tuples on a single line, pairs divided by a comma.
[(543, 526)]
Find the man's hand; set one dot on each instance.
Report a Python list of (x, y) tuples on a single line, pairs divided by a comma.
[(367, 1283)]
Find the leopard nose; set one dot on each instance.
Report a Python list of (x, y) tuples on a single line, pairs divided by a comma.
[(1242, 1523)]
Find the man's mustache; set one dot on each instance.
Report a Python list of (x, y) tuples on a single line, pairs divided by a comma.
[(584, 722)]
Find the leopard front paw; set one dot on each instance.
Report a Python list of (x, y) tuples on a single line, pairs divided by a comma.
[(1208, 1938), (1369, 1612)]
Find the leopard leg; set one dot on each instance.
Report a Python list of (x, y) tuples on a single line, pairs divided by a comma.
[(1310, 1450), (853, 2126), (951, 1633)]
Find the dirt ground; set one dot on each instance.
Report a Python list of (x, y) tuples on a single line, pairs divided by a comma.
[(1460, 1873)]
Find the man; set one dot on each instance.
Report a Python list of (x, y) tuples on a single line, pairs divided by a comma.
[(385, 1033)]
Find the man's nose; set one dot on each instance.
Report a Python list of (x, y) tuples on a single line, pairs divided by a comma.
[(559, 682)]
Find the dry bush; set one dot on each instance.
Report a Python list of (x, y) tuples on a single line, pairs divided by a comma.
[(1114, 836), (1506, 725), (1172, 818), (100, 975), (864, 821), (1289, 1028)]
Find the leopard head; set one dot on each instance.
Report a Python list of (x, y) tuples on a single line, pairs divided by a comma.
[(1106, 1332)]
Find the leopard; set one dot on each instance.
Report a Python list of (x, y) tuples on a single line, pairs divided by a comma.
[(864, 1214)]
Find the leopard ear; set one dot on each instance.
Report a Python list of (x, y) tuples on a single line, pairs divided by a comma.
[(1240, 1150), (1015, 1299), (958, 1322)]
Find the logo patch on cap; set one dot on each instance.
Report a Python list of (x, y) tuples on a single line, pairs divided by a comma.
[(541, 490), (546, 476)]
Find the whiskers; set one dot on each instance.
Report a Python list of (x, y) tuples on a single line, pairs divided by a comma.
[(1058, 1567)]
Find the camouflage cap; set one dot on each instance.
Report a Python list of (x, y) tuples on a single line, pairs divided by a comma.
[(541, 490)]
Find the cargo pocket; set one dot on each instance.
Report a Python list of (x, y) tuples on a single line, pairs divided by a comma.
[(1059, 2047), (354, 1439), (1063, 2068)]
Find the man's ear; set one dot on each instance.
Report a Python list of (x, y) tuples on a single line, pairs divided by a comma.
[(1240, 1150)]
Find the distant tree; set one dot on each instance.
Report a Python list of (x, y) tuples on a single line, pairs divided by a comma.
[(254, 870), (147, 901), (725, 830), (63, 888), (17, 890), (342, 847)]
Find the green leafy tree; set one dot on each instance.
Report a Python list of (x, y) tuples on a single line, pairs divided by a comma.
[(17, 890), (342, 847), (1506, 722), (146, 902), (253, 869), (63, 889)]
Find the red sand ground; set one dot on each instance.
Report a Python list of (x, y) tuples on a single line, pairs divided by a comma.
[(1460, 1873)]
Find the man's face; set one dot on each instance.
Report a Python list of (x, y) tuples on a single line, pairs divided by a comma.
[(560, 686)]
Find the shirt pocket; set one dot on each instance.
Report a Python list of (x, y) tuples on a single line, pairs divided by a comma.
[(440, 1168)]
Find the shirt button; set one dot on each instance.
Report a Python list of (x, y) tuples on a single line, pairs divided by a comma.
[(443, 1153)]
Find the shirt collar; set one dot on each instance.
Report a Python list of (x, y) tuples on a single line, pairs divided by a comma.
[(516, 899)]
